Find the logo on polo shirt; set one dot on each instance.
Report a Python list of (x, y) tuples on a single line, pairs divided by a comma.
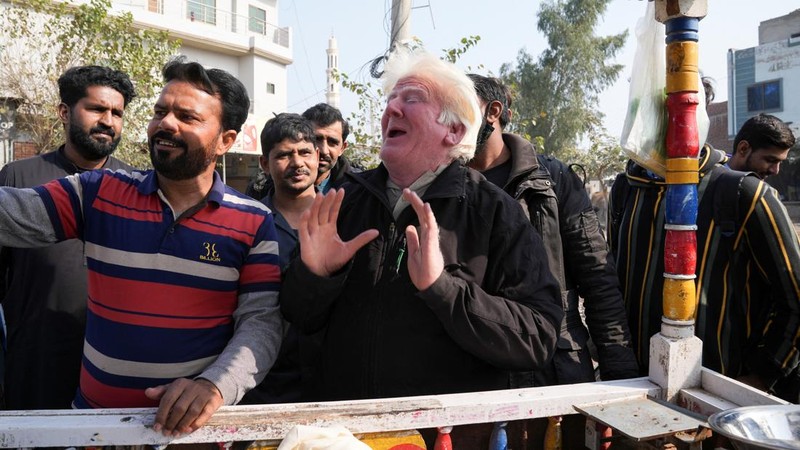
[(211, 254)]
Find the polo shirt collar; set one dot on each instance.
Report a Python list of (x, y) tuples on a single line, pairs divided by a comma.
[(149, 186)]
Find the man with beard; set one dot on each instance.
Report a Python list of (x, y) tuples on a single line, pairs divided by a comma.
[(45, 288), (183, 270), (556, 202), (331, 139), (291, 159), (331, 134), (761, 145)]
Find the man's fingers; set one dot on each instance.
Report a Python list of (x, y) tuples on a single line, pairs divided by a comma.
[(164, 420), (412, 240), (413, 199), (427, 220), (326, 207), (431, 228), (193, 411), (353, 245), (157, 393), (313, 214), (334, 212), (206, 413)]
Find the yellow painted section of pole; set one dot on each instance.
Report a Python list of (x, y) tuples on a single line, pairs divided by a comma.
[(552, 436), (683, 165), (682, 177), (681, 296), (682, 66)]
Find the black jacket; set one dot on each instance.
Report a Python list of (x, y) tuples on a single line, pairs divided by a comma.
[(556, 203), (494, 308), (338, 173), (44, 298)]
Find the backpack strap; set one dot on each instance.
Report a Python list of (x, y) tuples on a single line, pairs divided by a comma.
[(725, 184)]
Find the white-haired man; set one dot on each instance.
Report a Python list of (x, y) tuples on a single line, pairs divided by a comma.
[(443, 296)]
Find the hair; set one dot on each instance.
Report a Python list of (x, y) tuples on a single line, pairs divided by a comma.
[(74, 82), (708, 87), (490, 89), (454, 90), (285, 126), (323, 114), (216, 82), (764, 131)]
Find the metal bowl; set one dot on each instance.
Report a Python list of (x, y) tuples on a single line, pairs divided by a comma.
[(760, 427)]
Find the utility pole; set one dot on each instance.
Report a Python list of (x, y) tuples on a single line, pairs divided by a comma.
[(401, 22)]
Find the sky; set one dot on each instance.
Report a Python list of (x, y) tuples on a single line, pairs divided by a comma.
[(362, 29)]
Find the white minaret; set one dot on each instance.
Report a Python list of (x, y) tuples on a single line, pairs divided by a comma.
[(332, 94)]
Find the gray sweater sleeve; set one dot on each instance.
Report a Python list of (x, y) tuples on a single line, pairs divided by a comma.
[(23, 219), (252, 350)]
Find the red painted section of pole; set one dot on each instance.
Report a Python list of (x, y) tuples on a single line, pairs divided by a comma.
[(682, 140), (443, 441), (680, 252)]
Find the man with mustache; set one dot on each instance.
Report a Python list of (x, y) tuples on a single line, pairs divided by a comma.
[(331, 139), (45, 288), (331, 135), (183, 270), (291, 158)]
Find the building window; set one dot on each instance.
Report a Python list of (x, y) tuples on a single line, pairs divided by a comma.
[(270, 88), (258, 20), (764, 96), (202, 11)]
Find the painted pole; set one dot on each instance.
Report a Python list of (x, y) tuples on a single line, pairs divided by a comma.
[(401, 22), (675, 353)]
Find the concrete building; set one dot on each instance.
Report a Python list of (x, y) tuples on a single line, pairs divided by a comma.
[(766, 79), (240, 36), (718, 129)]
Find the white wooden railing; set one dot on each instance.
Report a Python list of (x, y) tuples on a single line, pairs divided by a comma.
[(99, 427)]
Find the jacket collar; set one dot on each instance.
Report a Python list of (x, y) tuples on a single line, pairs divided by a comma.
[(524, 159), (523, 155), (339, 169)]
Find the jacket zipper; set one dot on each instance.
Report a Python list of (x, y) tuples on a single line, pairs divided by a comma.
[(382, 281)]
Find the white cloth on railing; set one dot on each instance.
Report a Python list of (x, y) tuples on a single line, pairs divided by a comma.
[(303, 437)]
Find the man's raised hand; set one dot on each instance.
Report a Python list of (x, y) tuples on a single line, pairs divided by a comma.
[(425, 260), (321, 248)]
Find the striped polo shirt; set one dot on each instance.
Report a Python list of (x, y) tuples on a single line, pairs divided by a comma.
[(163, 292)]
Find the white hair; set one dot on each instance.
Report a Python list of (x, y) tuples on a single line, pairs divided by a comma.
[(453, 88)]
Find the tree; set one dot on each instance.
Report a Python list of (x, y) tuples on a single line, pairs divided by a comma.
[(40, 39), (602, 159), (557, 94)]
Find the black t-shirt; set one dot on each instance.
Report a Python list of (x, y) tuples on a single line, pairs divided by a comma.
[(498, 175)]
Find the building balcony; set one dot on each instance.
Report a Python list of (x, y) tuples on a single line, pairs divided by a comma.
[(198, 25)]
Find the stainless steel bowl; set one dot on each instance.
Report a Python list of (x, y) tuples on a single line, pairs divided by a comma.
[(760, 427)]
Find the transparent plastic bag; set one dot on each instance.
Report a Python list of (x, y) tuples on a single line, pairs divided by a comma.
[(645, 130)]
